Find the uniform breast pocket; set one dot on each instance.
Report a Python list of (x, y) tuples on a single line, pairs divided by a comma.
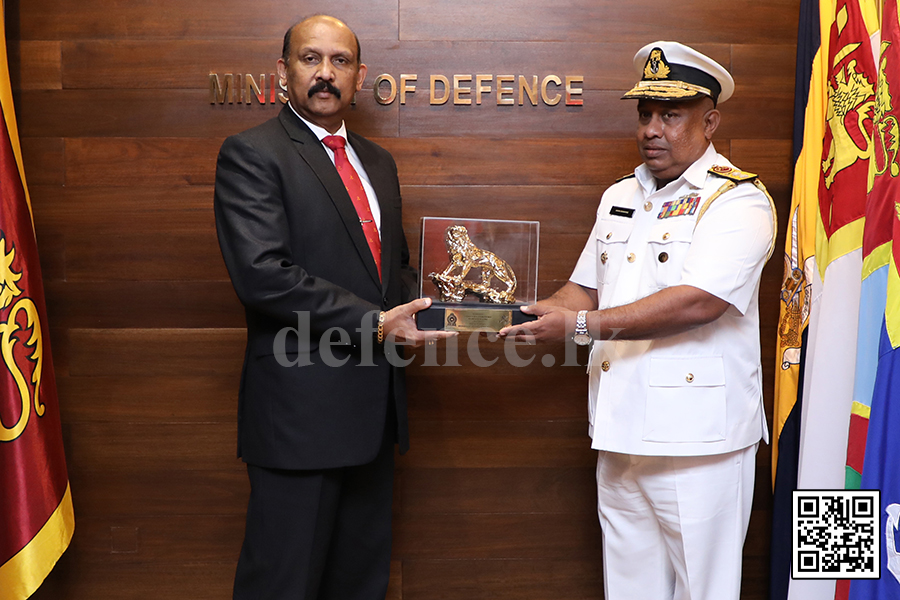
[(685, 400), (668, 246), (612, 238)]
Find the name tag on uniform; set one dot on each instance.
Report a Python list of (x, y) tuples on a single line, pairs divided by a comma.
[(619, 211), (686, 205)]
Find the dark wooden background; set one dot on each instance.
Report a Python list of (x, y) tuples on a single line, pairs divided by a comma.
[(496, 497)]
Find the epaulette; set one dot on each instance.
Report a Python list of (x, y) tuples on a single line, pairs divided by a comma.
[(732, 173), (624, 177)]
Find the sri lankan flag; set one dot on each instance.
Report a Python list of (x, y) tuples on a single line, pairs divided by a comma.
[(884, 189), (833, 121), (36, 516), (874, 444)]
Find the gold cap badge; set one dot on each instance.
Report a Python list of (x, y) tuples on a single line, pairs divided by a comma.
[(656, 67)]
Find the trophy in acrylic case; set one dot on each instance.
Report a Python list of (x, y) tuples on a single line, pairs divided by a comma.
[(478, 273)]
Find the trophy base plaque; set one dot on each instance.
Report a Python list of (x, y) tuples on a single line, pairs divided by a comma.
[(466, 317)]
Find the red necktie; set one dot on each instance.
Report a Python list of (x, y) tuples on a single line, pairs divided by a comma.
[(357, 194)]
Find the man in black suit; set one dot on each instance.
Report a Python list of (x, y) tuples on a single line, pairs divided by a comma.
[(312, 237)]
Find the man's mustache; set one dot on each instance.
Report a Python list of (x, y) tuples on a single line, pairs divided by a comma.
[(323, 86)]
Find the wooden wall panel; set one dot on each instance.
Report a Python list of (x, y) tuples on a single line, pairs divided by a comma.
[(496, 497), (126, 162), (768, 67), (632, 23), (174, 113), (532, 395), (142, 304), (203, 19), (175, 398), (605, 116), (141, 256), (177, 64), (141, 352), (126, 493), (523, 579), (108, 211), (478, 444), (153, 540), (186, 63), (45, 160), (486, 161), (36, 65), (75, 577), (487, 536), (119, 446)]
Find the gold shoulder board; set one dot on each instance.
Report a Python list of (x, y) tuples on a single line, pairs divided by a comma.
[(624, 177), (731, 173)]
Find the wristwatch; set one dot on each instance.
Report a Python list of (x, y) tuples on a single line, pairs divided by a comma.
[(582, 336)]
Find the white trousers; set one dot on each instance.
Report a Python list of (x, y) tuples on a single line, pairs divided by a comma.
[(674, 526)]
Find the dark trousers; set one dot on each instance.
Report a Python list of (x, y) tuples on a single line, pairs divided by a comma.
[(318, 535)]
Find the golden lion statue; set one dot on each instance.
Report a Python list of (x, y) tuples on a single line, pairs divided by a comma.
[(464, 256)]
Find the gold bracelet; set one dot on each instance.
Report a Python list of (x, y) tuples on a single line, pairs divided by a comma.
[(381, 327)]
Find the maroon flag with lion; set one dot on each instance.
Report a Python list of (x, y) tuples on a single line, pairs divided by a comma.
[(36, 515)]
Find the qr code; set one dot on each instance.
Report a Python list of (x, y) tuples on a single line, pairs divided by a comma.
[(836, 534)]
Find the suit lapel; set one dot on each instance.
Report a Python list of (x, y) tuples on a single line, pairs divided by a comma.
[(310, 149), (382, 184)]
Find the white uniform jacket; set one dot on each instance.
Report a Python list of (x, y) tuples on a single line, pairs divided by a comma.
[(698, 392)]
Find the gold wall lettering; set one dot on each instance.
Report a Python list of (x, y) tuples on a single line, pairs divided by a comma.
[(465, 89), (242, 88), (378, 87)]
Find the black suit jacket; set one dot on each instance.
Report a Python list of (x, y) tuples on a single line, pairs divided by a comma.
[(292, 241)]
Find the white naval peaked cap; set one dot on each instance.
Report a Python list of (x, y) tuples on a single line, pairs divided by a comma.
[(673, 71)]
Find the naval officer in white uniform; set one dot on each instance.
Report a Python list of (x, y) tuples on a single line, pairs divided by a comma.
[(665, 292)]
